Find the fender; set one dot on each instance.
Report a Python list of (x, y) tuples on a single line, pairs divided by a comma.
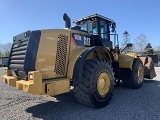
[(72, 61), (126, 60), (86, 54)]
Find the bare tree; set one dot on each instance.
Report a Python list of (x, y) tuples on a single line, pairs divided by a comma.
[(157, 48), (140, 43), (6, 48)]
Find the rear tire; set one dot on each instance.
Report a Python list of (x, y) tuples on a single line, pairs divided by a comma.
[(97, 84), (136, 78)]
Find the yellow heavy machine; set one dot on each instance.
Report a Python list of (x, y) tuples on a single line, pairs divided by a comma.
[(52, 61)]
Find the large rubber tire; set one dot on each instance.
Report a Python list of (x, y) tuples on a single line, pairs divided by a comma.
[(86, 91), (134, 80)]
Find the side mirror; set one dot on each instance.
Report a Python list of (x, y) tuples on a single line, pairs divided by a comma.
[(113, 26), (129, 45)]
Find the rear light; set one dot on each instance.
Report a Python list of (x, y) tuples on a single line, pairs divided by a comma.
[(31, 76)]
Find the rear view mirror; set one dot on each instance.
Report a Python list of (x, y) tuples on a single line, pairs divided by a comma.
[(129, 45), (113, 26)]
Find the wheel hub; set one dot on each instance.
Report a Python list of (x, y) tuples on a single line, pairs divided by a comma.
[(103, 83), (140, 73)]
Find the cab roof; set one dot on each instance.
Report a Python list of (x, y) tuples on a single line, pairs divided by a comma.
[(94, 17)]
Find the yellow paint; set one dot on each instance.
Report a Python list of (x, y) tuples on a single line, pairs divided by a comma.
[(10, 80), (132, 54), (102, 54), (33, 85), (36, 86), (47, 51), (140, 73), (126, 60), (7, 72), (103, 83), (56, 87), (73, 60)]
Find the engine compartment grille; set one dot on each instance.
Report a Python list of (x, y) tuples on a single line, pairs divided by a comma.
[(18, 54), (23, 53), (61, 54)]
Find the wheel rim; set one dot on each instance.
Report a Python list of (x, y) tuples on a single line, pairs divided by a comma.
[(103, 83), (140, 73)]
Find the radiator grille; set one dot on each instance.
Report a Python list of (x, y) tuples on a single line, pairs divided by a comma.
[(61, 54), (18, 54), (23, 53)]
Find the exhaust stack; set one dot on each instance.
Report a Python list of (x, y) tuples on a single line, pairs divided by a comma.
[(67, 21)]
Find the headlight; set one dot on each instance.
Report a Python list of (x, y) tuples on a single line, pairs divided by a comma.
[(31, 77)]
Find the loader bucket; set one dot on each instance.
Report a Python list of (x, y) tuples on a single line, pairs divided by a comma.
[(149, 71)]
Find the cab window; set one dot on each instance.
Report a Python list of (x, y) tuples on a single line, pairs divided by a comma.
[(90, 29), (95, 28), (104, 30), (84, 27)]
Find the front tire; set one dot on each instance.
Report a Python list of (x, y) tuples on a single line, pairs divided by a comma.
[(97, 84), (136, 78)]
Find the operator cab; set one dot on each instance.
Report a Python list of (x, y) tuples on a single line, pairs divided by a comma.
[(98, 27)]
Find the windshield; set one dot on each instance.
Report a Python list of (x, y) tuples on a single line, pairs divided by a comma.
[(90, 27), (95, 28)]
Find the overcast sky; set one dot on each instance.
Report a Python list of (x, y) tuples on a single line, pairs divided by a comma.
[(134, 16)]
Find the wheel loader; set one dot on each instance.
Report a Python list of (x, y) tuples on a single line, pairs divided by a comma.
[(82, 59)]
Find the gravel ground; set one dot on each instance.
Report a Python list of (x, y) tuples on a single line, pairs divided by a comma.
[(127, 104)]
